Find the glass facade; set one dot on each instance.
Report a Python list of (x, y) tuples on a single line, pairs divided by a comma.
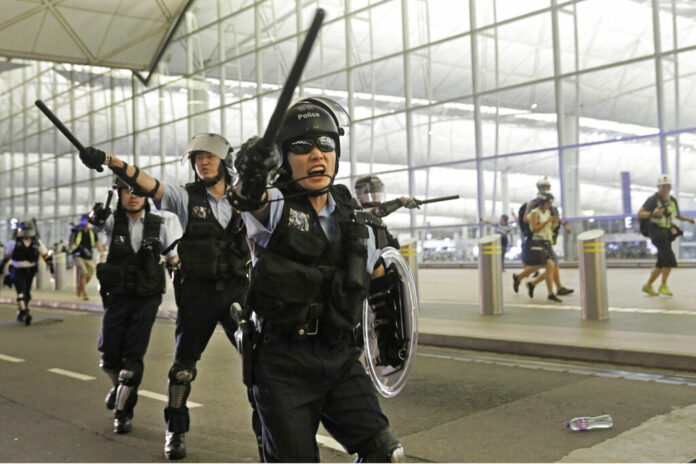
[(478, 98)]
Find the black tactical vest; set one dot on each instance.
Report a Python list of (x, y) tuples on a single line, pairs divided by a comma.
[(207, 251), (128, 272), (26, 253), (301, 276)]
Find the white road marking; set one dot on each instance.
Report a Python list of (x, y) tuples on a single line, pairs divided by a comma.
[(165, 398), (329, 443), (74, 375), (11, 359)]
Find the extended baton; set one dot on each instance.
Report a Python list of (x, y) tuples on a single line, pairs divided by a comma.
[(61, 127), (268, 139), (435, 200)]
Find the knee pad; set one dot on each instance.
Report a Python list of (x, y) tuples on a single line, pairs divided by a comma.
[(182, 374), (131, 374), (384, 447), (180, 378), (111, 370)]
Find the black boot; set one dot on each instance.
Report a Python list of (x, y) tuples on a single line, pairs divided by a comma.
[(27, 318), (175, 445), (122, 424)]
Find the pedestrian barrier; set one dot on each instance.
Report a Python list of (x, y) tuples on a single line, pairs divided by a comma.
[(59, 261), (409, 251), (594, 300), (490, 275)]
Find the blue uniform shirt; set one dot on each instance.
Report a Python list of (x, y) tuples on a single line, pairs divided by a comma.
[(260, 234), (176, 199)]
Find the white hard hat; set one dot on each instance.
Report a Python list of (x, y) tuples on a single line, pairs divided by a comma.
[(543, 183), (212, 143), (664, 179)]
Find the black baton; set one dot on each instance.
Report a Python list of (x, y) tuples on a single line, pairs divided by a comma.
[(61, 127), (266, 142), (435, 200)]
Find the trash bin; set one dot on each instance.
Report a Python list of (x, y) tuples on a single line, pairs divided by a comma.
[(490, 275), (59, 261), (409, 251), (593, 276)]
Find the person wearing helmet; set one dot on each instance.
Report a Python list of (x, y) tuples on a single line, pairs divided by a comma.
[(369, 191), (662, 209), (540, 252), (213, 253), (132, 281), (23, 255), (82, 249), (311, 274), (543, 187)]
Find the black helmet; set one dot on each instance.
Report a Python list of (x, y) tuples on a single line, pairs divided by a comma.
[(218, 146), (312, 116), (370, 190), (544, 198), (120, 184), (25, 229)]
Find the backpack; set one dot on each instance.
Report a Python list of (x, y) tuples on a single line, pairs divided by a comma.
[(644, 224), (524, 225)]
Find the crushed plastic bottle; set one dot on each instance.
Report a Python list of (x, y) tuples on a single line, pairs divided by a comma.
[(588, 423)]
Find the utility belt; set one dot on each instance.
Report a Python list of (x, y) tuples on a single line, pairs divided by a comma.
[(312, 329)]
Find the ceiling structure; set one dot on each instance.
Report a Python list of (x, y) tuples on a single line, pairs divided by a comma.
[(111, 33)]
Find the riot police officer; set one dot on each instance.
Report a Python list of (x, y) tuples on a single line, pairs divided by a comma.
[(214, 257), (369, 189), (310, 277), (23, 253), (132, 281)]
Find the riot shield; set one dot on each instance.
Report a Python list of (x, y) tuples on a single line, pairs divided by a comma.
[(390, 325)]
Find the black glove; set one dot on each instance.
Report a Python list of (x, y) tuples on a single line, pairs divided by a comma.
[(253, 164), (49, 263), (93, 158), (99, 214)]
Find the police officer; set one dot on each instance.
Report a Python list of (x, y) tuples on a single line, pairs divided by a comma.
[(310, 277), (369, 189), (214, 257), (661, 209), (131, 282), (23, 253)]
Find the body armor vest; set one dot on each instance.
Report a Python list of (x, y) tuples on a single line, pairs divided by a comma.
[(26, 253), (207, 251), (128, 272), (301, 276)]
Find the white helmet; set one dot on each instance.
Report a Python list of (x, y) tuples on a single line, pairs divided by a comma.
[(664, 179), (543, 183)]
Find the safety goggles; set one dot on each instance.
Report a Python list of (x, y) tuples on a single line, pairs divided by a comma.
[(303, 146)]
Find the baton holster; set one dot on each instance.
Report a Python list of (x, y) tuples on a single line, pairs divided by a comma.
[(245, 339)]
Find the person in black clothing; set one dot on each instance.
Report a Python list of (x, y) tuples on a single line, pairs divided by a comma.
[(311, 274), (132, 281), (214, 256), (661, 209), (369, 189), (23, 253)]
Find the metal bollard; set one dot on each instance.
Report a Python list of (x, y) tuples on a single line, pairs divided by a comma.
[(594, 299), (409, 251), (43, 277), (490, 275), (59, 261)]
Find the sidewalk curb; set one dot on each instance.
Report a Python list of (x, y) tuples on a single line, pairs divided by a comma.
[(549, 350)]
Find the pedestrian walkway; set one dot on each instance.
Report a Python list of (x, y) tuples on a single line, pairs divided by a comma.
[(647, 331)]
